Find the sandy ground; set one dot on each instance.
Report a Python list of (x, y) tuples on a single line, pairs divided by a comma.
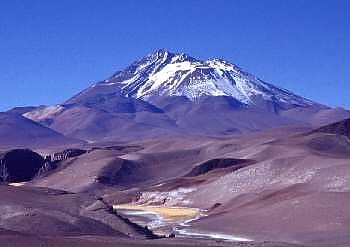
[(293, 189)]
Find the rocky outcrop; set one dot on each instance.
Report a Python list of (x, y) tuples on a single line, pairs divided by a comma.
[(66, 154), (214, 164), (52, 161), (339, 128), (19, 165)]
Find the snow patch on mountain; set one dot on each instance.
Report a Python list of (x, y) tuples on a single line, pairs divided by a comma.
[(43, 113), (163, 73)]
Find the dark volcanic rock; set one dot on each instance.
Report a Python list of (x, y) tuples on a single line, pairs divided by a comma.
[(214, 164), (53, 162), (340, 128), (19, 165), (122, 172), (68, 153)]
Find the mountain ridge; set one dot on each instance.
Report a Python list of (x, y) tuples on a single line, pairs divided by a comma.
[(172, 94), (163, 73)]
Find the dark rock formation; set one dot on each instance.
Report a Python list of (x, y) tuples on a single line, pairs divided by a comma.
[(52, 161), (19, 165), (66, 154), (121, 172), (339, 128), (214, 164)]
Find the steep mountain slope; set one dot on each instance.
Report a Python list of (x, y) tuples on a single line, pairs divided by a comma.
[(163, 73), (93, 124), (167, 94), (19, 132), (22, 109)]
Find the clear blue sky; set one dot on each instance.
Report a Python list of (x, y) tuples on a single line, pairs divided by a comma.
[(50, 50)]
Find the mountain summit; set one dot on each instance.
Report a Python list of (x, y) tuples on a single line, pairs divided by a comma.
[(164, 73), (169, 94)]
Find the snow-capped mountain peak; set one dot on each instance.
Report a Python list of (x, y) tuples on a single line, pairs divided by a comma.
[(164, 73)]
